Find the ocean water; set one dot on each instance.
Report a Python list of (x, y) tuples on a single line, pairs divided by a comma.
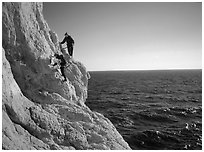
[(151, 109)]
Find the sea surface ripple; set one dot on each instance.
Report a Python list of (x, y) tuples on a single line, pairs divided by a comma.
[(152, 110)]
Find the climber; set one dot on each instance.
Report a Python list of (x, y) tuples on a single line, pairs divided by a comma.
[(62, 64), (70, 43)]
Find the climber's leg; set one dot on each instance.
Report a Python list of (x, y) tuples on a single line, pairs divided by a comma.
[(71, 51), (62, 71)]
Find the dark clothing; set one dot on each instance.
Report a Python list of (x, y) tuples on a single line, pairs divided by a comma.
[(70, 50), (70, 43), (62, 64), (62, 71), (61, 58)]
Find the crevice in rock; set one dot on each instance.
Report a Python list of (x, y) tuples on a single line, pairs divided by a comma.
[(11, 113), (61, 120), (27, 128)]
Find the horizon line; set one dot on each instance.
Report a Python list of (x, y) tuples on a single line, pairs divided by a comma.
[(142, 70)]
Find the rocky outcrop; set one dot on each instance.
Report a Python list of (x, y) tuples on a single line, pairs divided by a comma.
[(39, 110), (29, 43)]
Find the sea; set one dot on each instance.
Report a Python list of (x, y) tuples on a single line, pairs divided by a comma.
[(152, 110)]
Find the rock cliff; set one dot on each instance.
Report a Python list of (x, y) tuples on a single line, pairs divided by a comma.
[(39, 111)]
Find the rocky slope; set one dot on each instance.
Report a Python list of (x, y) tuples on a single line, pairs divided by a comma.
[(39, 111)]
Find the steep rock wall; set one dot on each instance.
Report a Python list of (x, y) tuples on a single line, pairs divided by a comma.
[(39, 110), (29, 43)]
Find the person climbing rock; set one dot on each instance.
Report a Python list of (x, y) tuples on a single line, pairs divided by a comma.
[(62, 64), (70, 43)]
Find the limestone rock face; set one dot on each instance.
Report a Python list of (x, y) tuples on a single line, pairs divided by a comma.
[(29, 43), (39, 111)]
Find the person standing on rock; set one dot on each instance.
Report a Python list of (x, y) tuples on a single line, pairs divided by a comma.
[(70, 43)]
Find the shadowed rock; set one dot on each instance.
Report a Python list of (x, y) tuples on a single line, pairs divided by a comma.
[(39, 110)]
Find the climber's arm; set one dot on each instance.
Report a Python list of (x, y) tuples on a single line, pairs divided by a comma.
[(54, 64), (63, 41)]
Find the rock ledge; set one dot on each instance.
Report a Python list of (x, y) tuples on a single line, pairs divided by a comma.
[(39, 110)]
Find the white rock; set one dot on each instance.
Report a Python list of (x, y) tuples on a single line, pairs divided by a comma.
[(39, 110)]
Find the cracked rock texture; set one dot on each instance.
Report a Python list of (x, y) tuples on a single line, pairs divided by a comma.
[(39, 111)]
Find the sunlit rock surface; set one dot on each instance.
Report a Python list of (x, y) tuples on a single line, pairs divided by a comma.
[(40, 111)]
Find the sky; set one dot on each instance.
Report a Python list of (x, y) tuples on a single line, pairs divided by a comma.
[(130, 36)]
